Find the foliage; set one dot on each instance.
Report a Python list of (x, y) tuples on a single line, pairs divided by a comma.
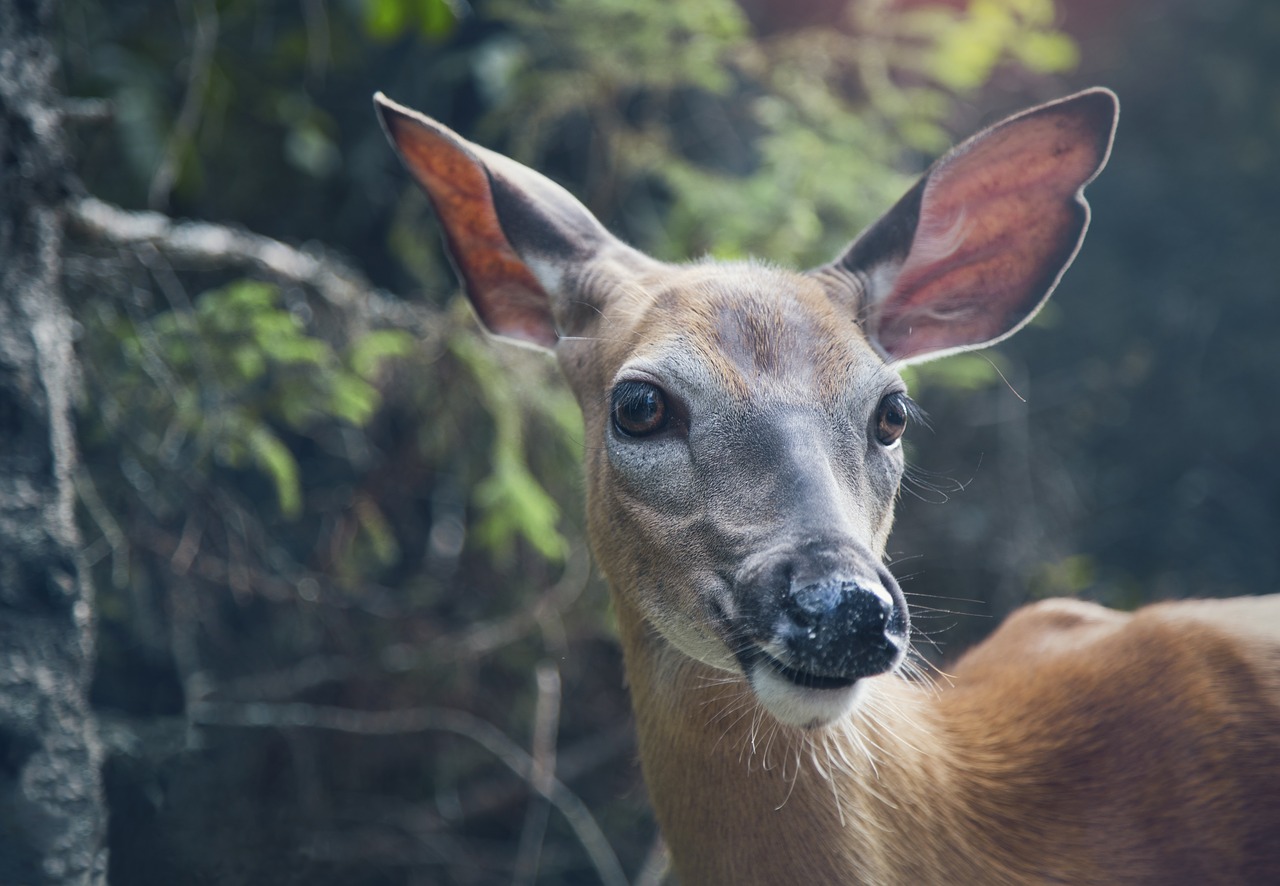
[(819, 117), (965, 47), (212, 381), (434, 20), (512, 501)]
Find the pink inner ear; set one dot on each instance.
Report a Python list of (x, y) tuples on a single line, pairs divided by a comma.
[(1000, 219), (506, 295)]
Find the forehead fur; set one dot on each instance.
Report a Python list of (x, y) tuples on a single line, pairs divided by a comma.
[(758, 329)]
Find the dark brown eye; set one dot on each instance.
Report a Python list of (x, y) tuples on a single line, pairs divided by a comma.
[(639, 409), (891, 419)]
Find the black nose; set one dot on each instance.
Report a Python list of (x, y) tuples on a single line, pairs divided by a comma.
[(844, 628)]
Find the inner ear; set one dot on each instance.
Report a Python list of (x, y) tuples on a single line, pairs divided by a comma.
[(522, 245), (974, 249)]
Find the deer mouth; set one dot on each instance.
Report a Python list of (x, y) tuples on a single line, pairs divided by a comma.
[(755, 660), (803, 679), (794, 696)]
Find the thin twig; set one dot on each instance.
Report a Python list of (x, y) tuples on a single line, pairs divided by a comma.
[(111, 531), (211, 390), (423, 719), (572, 762), (657, 862), (198, 68), (188, 545), (546, 723), (486, 636), (319, 49)]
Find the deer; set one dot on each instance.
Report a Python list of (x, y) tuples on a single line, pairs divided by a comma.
[(743, 453)]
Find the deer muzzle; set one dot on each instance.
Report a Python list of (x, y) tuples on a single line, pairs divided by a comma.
[(813, 622)]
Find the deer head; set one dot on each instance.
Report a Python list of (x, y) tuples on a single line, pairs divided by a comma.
[(743, 422)]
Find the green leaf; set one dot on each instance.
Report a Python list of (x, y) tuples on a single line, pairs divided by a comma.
[(436, 19), (366, 355), (514, 503), (270, 454), (291, 347), (249, 361), (377, 529), (386, 19), (1048, 53), (352, 398)]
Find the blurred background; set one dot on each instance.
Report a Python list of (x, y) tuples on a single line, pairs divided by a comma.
[(348, 630)]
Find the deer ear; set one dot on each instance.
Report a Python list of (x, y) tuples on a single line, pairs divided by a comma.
[(974, 249), (519, 242)]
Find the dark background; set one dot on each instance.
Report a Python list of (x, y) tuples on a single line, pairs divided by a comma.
[(335, 537)]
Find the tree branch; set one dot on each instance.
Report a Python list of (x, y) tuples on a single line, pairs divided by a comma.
[(220, 246)]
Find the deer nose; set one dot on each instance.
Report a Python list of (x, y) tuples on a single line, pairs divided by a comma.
[(841, 627)]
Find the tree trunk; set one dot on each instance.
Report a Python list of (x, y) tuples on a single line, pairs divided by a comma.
[(52, 823)]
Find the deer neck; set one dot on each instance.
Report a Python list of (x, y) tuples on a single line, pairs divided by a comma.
[(742, 799)]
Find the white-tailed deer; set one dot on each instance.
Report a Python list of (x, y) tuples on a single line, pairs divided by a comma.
[(743, 459)]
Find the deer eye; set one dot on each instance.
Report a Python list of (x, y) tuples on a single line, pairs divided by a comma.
[(639, 409), (891, 418)]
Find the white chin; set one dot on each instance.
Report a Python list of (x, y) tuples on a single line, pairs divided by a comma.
[(795, 705)]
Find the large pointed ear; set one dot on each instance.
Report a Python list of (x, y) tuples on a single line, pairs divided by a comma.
[(975, 247), (520, 243)]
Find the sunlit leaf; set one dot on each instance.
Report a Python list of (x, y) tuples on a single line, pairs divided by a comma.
[(515, 504), (1049, 53), (436, 18), (386, 19), (275, 458), (352, 398), (512, 502), (366, 355)]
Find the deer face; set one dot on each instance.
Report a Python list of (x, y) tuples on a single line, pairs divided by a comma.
[(742, 471)]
